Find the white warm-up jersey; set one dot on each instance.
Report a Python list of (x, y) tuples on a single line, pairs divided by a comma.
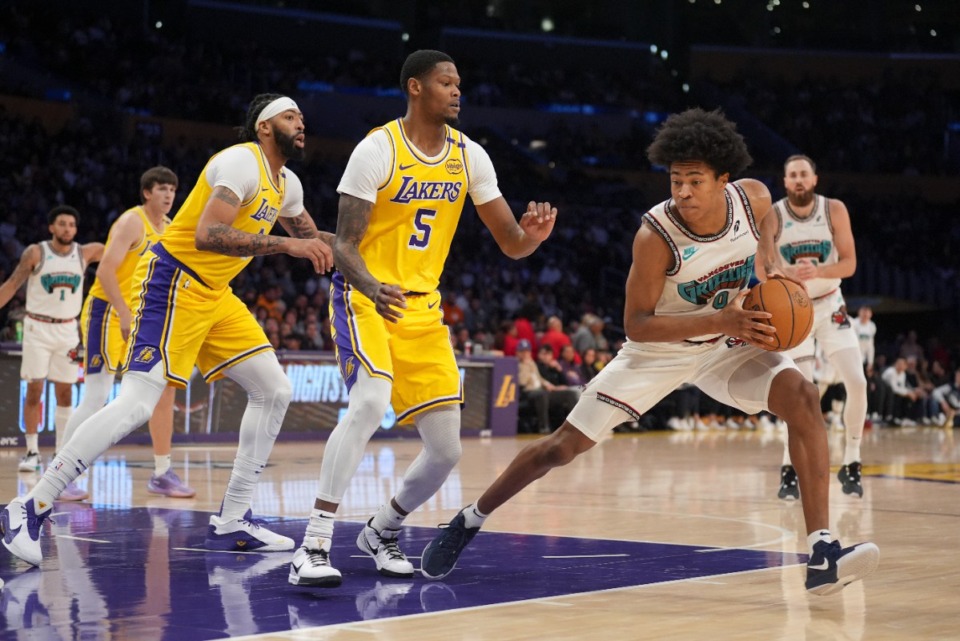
[(811, 238), (708, 271), (55, 287)]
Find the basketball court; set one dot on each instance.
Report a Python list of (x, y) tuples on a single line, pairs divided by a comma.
[(650, 536)]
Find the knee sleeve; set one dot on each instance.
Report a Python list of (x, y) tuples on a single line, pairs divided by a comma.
[(440, 430), (268, 395), (369, 399)]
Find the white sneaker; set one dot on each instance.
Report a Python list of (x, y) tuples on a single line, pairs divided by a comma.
[(383, 600), (382, 546), (30, 462), (244, 535), (20, 526), (311, 565)]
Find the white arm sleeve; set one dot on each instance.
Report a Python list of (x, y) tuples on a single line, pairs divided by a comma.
[(237, 169), (483, 177), (368, 167), (292, 195)]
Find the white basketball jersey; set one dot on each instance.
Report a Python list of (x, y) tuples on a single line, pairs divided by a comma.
[(810, 237), (55, 287), (708, 271)]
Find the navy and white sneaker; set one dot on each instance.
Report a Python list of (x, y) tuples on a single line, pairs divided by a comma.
[(440, 556), (849, 477), (246, 534), (20, 525), (789, 488), (831, 568)]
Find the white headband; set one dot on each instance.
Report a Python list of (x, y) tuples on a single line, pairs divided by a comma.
[(278, 106)]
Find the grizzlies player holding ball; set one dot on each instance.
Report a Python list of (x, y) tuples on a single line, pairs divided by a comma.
[(400, 201), (685, 323)]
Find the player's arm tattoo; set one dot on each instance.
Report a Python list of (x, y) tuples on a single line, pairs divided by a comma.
[(352, 221), (225, 239), (303, 226)]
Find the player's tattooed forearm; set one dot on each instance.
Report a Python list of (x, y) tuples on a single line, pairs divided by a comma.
[(224, 239), (352, 222), (353, 219), (300, 226), (226, 195)]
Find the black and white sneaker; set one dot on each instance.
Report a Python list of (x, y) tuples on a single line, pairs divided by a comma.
[(831, 568), (849, 476), (383, 548), (311, 565), (789, 489)]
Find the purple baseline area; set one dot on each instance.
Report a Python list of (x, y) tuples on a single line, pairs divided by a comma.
[(91, 590)]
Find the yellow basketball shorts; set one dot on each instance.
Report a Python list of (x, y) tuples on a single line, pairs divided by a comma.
[(179, 321), (414, 353)]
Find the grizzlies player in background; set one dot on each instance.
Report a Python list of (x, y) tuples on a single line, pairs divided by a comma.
[(808, 238), (53, 271), (106, 318), (401, 197), (685, 323), (186, 314)]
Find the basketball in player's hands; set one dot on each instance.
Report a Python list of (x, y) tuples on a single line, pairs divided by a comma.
[(790, 306)]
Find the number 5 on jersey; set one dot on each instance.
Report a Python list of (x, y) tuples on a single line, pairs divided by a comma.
[(421, 238)]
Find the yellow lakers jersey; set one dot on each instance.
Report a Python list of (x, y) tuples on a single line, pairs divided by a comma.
[(126, 268), (416, 213), (256, 216)]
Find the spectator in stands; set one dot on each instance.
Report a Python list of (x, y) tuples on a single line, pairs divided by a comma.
[(555, 337), (532, 388), (590, 334), (904, 396)]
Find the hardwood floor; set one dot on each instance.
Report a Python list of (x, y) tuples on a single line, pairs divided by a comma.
[(647, 536)]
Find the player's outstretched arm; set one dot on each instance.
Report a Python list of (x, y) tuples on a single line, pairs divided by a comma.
[(28, 261), (92, 252), (518, 239)]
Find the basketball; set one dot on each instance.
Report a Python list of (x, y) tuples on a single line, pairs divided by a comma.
[(791, 307)]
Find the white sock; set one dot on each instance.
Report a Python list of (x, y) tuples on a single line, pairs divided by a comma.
[(239, 495), (851, 452), (320, 524), (816, 536), (786, 454), (473, 517), (387, 518), (32, 443), (161, 464), (61, 416)]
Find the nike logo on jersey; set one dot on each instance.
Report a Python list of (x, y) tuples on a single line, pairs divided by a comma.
[(432, 305), (688, 252), (406, 167)]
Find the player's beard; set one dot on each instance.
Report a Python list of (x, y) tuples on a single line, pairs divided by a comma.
[(800, 200), (288, 146), (453, 121), (64, 241)]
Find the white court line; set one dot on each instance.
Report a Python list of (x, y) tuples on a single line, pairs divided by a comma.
[(81, 538), (582, 556), (205, 551)]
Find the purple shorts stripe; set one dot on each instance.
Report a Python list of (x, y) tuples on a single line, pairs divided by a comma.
[(96, 347), (344, 327), (233, 361), (449, 400), (148, 338)]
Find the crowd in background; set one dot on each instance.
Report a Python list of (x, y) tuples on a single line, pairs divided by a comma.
[(560, 309)]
